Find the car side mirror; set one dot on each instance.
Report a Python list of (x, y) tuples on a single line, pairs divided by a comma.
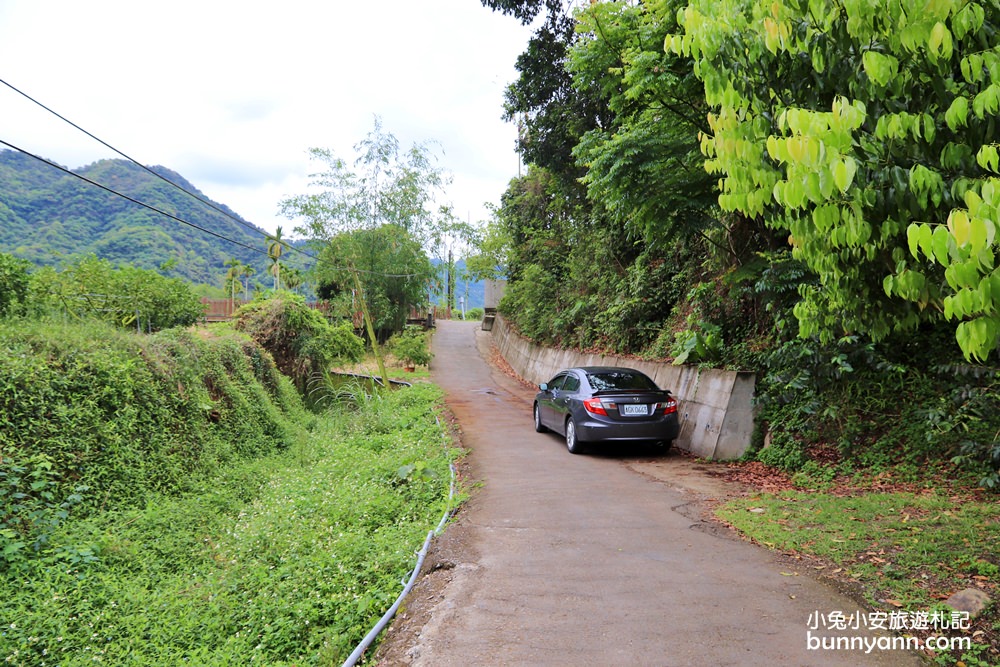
[(543, 387)]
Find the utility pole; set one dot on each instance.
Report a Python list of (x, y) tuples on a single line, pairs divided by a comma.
[(450, 287)]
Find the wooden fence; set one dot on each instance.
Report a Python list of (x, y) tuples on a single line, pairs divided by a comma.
[(221, 310)]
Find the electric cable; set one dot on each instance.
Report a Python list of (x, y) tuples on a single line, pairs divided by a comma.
[(217, 235), (131, 199), (163, 178), (207, 202)]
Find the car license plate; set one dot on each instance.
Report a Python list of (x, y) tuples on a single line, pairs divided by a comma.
[(633, 410)]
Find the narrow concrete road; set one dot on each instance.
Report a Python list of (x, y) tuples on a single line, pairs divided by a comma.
[(578, 560)]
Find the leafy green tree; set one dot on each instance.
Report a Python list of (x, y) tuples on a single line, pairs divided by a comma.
[(125, 296), (866, 132), (233, 274), (491, 246), (535, 218), (245, 273), (552, 113), (374, 219), (644, 166), (393, 279), (292, 278), (385, 185), (15, 285), (616, 191), (562, 272)]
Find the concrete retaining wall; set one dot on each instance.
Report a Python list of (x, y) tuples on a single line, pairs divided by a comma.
[(493, 293), (715, 407)]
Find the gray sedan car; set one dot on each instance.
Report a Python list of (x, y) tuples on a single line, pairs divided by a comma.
[(605, 403)]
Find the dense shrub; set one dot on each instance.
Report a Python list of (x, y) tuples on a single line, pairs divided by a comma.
[(299, 338), (289, 558), (601, 292), (92, 417), (904, 403), (125, 296), (411, 346), (969, 411), (14, 285)]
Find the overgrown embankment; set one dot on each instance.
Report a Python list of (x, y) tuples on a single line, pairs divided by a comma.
[(100, 419), (168, 499)]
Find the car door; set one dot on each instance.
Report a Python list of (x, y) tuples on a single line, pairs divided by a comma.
[(561, 401), (546, 404)]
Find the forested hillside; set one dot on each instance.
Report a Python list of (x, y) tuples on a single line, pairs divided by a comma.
[(47, 215)]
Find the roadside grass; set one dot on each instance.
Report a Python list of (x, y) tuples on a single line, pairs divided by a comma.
[(395, 368), (901, 550), (395, 365), (284, 560)]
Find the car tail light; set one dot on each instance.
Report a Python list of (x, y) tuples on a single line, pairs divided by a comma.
[(595, 407), (668, 406)]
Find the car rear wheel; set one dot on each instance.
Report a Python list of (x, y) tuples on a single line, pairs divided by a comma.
[(539, 427), (661, 447), (572, 443)]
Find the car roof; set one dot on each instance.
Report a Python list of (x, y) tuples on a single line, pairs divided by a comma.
[(603, 369)]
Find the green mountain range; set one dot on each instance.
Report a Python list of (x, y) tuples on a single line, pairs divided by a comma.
[(47, 216)]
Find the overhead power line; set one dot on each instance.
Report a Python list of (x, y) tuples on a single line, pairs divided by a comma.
[(131, 199), (163, 178), (167, 214), (181, 188)]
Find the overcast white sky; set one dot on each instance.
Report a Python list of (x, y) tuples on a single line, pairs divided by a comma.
[(231, 95)]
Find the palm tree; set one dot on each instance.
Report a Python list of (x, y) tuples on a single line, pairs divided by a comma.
[(293, 278), (232, 280), (245, 274), (274, 249)]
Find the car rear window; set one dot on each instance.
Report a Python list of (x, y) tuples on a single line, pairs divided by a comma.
[(620, 380)]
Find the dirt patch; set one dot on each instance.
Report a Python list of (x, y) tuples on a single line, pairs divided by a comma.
[(447, 557), (681, 470), (496, 360)]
